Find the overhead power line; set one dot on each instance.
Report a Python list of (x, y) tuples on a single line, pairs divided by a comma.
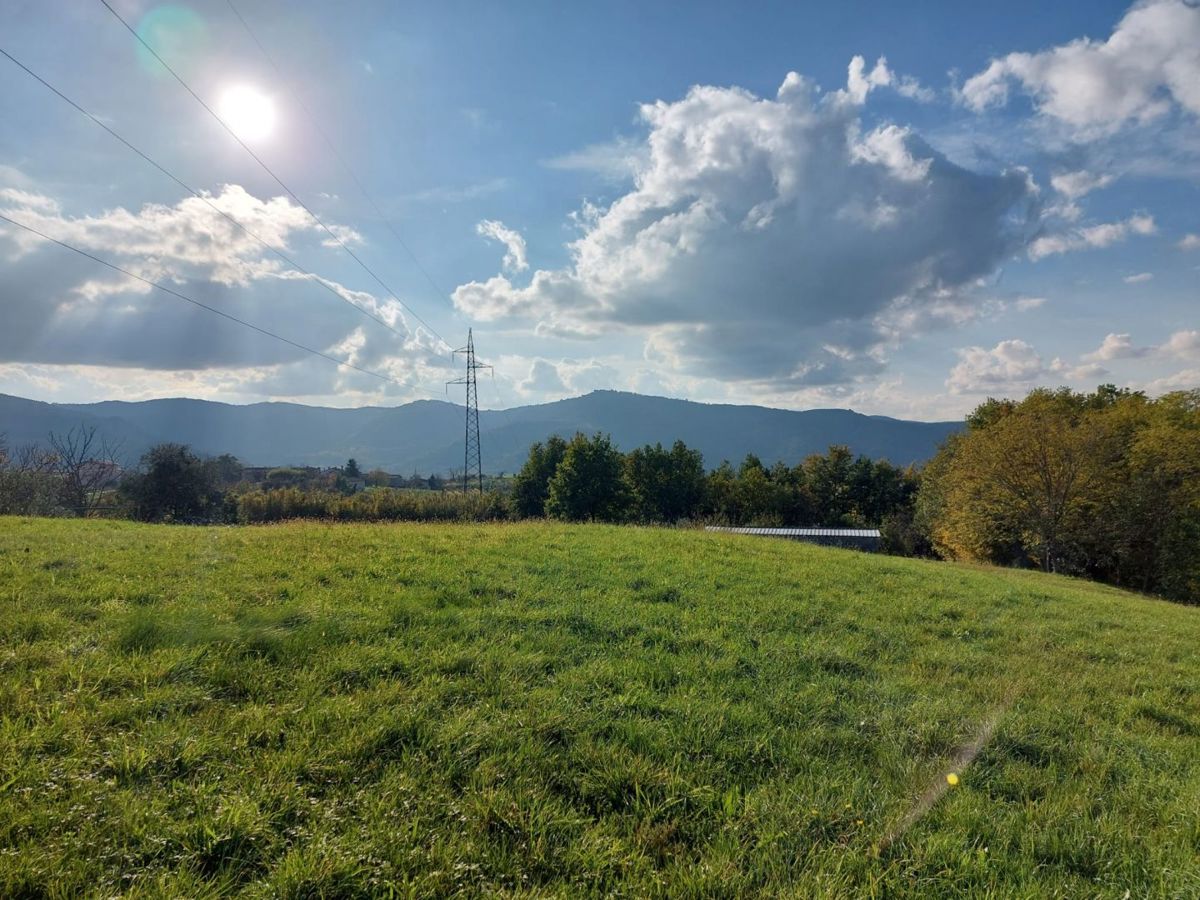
[(204, 306), (315, 122), (201, 196), (333, 235)]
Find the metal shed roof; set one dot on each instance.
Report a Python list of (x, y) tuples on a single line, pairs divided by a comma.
[(801, 532)]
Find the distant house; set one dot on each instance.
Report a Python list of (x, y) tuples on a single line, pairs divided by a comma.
[(854, 538)]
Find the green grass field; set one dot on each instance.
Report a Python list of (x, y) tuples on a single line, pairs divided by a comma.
[(348, 710)]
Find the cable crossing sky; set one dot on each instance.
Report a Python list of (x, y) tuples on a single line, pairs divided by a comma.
[(204, 306), (333, 235), (204, 198)]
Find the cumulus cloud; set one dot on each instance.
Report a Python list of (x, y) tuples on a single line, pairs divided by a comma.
[(1093, 236), (514, 244), (1189, 242), (567, 377), (1186, 380), (1015, 366), (1116, 346), (1148, 66), (890, 146), (763, 238), (1181, 344), (543, 378), (1010, 364), (1185, 344), (860, 82), (62, 309), (1139, 278)]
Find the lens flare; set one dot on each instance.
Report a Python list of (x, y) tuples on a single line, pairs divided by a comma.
[(177, 34), (248, 112)]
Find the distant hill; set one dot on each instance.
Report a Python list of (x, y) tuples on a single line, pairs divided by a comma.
[(427, 435)]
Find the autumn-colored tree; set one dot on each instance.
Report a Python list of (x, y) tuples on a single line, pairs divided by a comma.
[(1105, 484)]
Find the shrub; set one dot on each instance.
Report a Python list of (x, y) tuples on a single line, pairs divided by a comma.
[(377, 504)]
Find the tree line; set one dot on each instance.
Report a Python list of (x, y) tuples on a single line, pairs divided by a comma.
[(1104, 485), (588, 479)]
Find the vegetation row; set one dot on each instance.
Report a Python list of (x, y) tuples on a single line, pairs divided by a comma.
[(1105, 485)]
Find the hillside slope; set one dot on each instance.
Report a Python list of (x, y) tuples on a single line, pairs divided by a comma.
[(427, 435), (325, 710)]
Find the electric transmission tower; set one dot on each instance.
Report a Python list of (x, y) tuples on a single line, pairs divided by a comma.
[(472, 455)]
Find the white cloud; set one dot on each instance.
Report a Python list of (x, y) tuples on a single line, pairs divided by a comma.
[(1011, 364), (543, 378), (1085, 371), (1074, 185), (1189, 242), (1094, 236), (1150, 64), (64, 310), (1185, 344), (1139, 278), (514, 243), (1181, 344), (341, 235), (1014, 366), (173, 242), (860, 82), (1116, 346), (1186, 380), (1024, 304), (759, 232), (888, 146)]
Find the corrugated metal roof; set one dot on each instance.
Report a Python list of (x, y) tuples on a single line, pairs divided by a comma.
[(801, 532)]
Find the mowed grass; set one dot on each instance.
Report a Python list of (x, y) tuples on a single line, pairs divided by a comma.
[(344, 710)]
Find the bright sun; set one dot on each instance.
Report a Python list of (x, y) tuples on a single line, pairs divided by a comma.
[(248, 111)]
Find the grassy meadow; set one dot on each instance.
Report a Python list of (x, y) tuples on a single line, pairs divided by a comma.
[(309, 709)]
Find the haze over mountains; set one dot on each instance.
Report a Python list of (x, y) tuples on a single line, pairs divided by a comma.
[(427, 436)]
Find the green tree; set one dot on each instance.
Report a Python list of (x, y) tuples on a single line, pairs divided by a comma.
[(531, 486), (172, 484), (351, 470), (760, 500), (667, 485), (589, 483), (828, 479), (722, 497), (226, 470)]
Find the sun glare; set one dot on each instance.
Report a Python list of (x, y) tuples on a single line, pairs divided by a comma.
[(248, 111)]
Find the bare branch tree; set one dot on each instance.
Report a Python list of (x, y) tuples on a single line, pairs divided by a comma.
[(87, 467)]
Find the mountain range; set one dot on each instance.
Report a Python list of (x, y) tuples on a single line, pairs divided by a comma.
[(427, 435)]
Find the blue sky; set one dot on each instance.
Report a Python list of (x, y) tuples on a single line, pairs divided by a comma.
[(896, 208)]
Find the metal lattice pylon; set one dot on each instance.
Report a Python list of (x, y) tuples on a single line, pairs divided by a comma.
[(472, 452)]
